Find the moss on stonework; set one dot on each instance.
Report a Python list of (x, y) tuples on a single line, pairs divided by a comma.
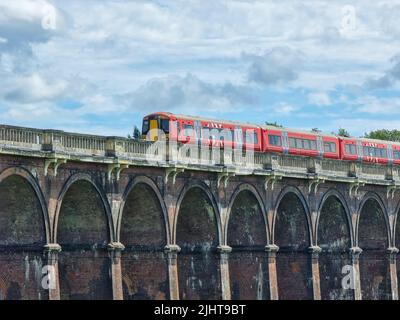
[(142, 219), (246, 223), (196, 226), (21, 217), (82, 218)]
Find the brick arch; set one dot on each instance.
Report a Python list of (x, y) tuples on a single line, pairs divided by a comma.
[(374, 196), (22, 206), (84, 262), (25, 174), (293, 262), (201, 185), (335, 239), (248, 261), (106, 206), (199, 271), (150, 183), (253, 190), (335, 193), (143, 229), (373, 262), (296, 191)]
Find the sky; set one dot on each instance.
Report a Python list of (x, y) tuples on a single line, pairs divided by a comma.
[(100, 66)]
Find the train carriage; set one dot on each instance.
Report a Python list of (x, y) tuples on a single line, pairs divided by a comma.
[(368, 150), (210, 132), (220, 133), (311, 144)]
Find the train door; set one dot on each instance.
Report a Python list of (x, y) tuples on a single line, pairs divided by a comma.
[(238, 138), (390, 153), (285, 142), (197, 131), (320, 146), (360, 150)]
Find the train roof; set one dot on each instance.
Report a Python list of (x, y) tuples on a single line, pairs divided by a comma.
[(197, 118), (372, 140)]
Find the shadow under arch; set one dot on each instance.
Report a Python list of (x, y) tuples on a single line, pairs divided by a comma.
[(334, 236), (83, 228), (254, 192), (25, 174), (151, 184), (143, 230), (296, 191), (197, 231), (188, 187), (334, 193), (247, 234), (292, 233), (76, 178), (373, 196), (373, 237), (24, 230)]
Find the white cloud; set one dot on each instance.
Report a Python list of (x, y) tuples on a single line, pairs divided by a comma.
[(188, 93), (32, 89), (319, 99), (284, 108), (379, 106), (279, 65), (26, 21), (117, 56)]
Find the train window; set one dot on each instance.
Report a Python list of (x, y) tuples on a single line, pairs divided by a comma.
[(145, 126), (330, 147), (396, 154), (350, 149), (299, 144), (367, 152), (275, 140), (255, 138), (306, 144), (164, 125), (292, 142), (187, 130), (313, 145), (251, 138), (375, 152)]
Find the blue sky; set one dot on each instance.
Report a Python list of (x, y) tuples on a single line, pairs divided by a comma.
[(99, 66)]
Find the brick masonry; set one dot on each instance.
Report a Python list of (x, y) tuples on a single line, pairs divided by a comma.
[(142, 237)]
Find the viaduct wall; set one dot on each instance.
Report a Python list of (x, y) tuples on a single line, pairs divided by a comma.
[(114, 229)]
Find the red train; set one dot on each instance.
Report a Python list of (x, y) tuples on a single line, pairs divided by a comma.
[(188, 129)]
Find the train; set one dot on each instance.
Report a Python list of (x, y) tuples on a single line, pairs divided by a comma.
[(264, 138)]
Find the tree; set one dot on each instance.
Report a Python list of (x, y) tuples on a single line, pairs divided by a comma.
[(273, 124), (384, 134), (136, 134), (343, 133)]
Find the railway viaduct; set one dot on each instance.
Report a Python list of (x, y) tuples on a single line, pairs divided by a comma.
[(113, 223)]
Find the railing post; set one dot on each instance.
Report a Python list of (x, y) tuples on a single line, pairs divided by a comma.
[(114, 146), (271, 250), (172, 252), (355, 169)]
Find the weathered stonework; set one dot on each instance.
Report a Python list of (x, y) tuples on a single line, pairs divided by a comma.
[(114, 225)]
